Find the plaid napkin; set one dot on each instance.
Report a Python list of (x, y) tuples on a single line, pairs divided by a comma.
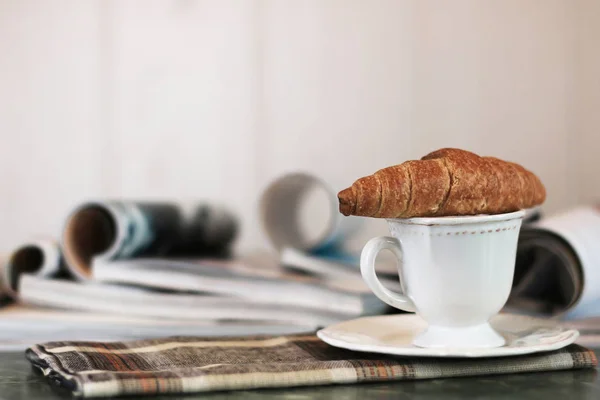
[(189, 364)]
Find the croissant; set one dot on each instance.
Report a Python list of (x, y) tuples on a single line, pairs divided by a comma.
[(444, 182)]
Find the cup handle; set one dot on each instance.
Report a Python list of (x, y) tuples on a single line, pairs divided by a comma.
[(367, 269)]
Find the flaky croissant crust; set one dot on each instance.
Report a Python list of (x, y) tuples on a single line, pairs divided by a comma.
[(443, 183)]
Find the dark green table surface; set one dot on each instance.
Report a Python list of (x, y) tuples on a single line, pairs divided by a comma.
[(19, 381)]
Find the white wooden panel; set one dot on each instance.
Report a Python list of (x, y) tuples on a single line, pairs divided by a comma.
[(185, 102), (586, 136), (49, 121), (212, 99), (337, 86), (493, 77), (354, 86), (337, 89)]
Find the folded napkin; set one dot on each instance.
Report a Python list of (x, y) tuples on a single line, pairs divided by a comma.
[(190, 364)]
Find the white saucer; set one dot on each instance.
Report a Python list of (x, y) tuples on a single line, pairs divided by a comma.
[(393, 334)]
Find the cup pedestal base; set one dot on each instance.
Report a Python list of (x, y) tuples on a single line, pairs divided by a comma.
[(480, 336)]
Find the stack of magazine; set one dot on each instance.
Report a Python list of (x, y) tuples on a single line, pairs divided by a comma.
[(123, 269), (205, 289), (122, 265)]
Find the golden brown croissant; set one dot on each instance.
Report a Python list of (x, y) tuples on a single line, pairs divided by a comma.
[(444, 182)]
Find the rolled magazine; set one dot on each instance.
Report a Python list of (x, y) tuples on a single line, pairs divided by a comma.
[(112, 230), (281, 209), (558, 265), (41, 257), (299, 215)]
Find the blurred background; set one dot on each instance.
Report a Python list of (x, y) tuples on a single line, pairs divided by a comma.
[(213, 99)]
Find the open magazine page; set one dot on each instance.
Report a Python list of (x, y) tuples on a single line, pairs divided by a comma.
[(239, 280), (136, 301), (589, 330), (22, 326)]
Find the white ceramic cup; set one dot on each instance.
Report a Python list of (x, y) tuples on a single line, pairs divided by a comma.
[(456, 273)]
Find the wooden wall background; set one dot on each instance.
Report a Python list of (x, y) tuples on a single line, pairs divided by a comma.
[(214, 98)]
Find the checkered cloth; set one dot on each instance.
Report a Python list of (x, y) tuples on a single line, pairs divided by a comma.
[(189, 364)]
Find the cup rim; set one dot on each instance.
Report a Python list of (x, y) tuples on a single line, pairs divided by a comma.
[(459, 220)]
